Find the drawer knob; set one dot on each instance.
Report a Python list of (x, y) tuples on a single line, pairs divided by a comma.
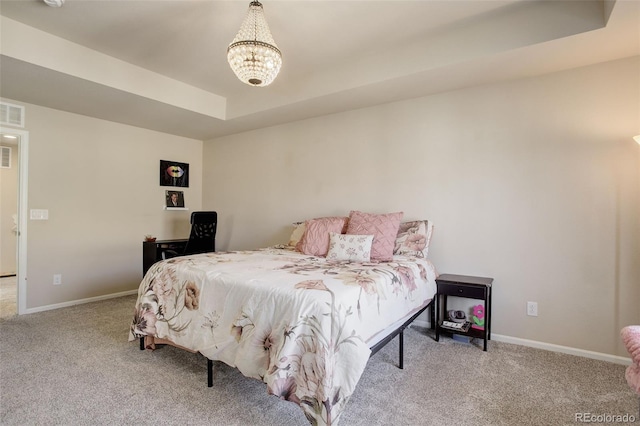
[(460, 290)]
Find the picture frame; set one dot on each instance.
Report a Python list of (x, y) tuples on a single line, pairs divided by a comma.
[(175, 199), (173, 173)]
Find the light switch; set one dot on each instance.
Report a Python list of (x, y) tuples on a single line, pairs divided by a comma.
[(39, 214)]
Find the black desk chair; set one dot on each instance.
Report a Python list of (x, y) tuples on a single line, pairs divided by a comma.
[(202, 238)]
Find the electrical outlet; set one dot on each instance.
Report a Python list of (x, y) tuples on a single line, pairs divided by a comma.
[(532, 309), (57, 279)]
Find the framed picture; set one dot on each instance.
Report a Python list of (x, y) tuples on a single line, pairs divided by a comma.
[(174, 174), (175, 199)]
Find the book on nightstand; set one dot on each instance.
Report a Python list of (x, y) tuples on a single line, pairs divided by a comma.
[(456, 326)]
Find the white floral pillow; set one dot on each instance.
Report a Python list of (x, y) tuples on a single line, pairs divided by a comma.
[(347, 247), (414, 238)]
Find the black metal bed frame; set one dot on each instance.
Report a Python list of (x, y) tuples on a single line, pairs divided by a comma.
[(400, 331), (374, 349)]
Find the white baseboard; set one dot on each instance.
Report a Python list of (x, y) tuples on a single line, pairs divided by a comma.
[(547, 346), (561, 349), (79, 302)]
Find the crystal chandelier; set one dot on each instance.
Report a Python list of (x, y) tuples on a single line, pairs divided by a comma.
[(253, 54)]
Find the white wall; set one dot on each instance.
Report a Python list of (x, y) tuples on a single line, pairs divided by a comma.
[(533, 182), (100, 182)]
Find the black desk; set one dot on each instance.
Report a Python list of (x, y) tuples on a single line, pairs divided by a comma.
[(152, 251)]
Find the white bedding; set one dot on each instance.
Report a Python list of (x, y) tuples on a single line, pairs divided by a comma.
[(300, 323)]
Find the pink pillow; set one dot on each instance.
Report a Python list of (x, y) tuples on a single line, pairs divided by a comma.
[(632, 374), (631, 339), (315, 240), (383, 227)]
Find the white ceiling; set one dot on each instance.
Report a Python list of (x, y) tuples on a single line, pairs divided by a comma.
[(171, 73)]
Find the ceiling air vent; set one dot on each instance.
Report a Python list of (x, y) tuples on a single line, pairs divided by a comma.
[(5, 153), (12, 115)]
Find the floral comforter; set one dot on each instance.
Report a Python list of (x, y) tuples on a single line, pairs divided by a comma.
[(301, 324)]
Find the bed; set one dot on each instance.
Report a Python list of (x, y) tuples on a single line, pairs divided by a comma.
[(304, 324)]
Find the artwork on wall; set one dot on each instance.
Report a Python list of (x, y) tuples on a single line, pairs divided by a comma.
[(173, 173), (175, 199)]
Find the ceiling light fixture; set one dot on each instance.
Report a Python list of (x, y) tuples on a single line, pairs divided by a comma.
[(253, 54), (637, 139)]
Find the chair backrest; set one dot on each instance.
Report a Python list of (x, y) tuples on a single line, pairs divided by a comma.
[(203, 233)]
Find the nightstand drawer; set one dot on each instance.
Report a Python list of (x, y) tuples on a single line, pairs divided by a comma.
[(461, 290)]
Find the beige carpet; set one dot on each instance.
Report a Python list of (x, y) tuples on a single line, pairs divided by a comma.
[(74, 366), (8, 296)]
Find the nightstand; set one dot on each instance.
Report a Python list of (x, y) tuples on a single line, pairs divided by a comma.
[(469, 287)]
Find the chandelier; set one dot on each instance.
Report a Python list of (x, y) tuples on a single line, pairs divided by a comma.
[(253, 54)]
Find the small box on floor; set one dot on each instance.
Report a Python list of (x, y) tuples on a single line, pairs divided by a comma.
[(461, 338)]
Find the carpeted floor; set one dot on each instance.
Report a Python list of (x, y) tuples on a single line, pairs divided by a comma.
[(8, 296), (74, 366)]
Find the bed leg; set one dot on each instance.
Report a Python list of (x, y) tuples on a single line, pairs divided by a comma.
[(401, 345), (142, 343), (209, 373)]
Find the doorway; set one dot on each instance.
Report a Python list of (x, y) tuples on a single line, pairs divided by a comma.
[(13, 195), (8, 296), (8, 224)]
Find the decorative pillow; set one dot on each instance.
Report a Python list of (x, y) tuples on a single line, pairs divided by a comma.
[(315, 240), (297, 233), (429, 225), (352, 248), (383, 227), (632, 374), (631, 339), (413, 238)]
